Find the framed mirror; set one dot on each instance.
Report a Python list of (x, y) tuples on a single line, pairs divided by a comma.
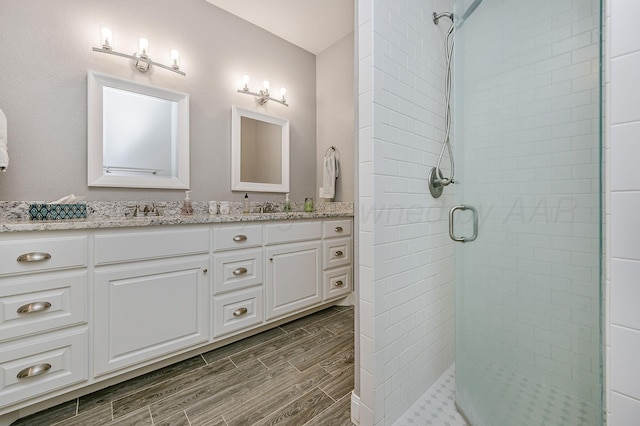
[(259, 151), (138, 135)]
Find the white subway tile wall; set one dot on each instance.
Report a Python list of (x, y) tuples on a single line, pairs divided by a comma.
[(623, 196), (406, 257)]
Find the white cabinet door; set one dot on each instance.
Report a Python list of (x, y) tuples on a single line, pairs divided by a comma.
[(149, 310), (293, 277)]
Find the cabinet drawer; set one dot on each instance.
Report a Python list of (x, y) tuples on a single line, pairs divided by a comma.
[(336, 228), (236, 270), (54, 361), (235, 311), (236, 236), (337, 252), (285, 232), (337, 282), (132, 246), (42, 254), (45, 302)]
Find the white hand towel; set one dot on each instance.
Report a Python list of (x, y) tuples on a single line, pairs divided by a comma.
[(329, 168), (4, 154)]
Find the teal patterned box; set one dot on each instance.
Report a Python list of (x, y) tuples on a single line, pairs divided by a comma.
[(57, 211)]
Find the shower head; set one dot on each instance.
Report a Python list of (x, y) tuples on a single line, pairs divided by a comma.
[(437, 16)]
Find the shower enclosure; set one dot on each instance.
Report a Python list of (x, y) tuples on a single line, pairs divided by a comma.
[(527, 145)]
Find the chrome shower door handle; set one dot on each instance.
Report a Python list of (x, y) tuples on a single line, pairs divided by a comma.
[(475, 224)]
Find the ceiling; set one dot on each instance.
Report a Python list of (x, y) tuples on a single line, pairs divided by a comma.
[(313, 25)]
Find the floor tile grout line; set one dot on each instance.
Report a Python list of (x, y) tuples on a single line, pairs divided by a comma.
[(296, 368), (328, 408), (325, 392), (231, 361), (187, 416)]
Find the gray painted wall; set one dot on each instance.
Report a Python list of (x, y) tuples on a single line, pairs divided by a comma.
[(335, 113), (45, 52)]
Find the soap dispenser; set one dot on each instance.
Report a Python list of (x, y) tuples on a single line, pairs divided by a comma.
[(187, 208), (246, 207), (287, 203)]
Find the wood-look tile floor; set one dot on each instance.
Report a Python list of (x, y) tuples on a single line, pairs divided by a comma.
[(300, 373)]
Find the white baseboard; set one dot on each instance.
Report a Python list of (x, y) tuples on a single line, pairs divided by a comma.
[(355, 409)]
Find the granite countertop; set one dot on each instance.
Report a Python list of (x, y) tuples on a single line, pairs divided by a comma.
[(98, 219)]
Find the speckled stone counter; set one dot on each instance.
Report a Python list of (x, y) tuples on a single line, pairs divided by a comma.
[(14, 216)]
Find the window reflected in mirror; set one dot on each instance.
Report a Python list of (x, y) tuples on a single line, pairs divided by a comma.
[(139, 131), (138, 135)]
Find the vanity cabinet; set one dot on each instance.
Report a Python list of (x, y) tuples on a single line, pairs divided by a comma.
[(150, 296), (81, 307), (43, 315)]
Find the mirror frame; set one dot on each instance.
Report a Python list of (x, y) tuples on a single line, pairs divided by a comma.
[(236, 141), (95, 126)]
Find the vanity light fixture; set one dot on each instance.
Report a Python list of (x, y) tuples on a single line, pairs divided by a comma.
[(263, 95), (140, 59)]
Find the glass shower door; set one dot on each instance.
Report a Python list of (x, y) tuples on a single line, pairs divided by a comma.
[(528, 152)]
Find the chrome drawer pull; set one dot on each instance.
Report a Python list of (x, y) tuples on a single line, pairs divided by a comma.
[(239, 312), (34, 257), (239, 238), (338, 229), (30, 308), (339, 283), (239, 271), (339, 253), (34, 370)]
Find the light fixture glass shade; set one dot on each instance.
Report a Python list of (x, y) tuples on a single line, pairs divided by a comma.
[(105, 37), (143, 46), (175, 58), (245, 82), (283, 94), (266, 86)]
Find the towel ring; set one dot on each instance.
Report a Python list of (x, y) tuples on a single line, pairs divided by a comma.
[(334, 149), (331, 148)]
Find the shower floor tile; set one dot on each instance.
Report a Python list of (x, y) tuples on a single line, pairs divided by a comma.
[(436, 407)]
